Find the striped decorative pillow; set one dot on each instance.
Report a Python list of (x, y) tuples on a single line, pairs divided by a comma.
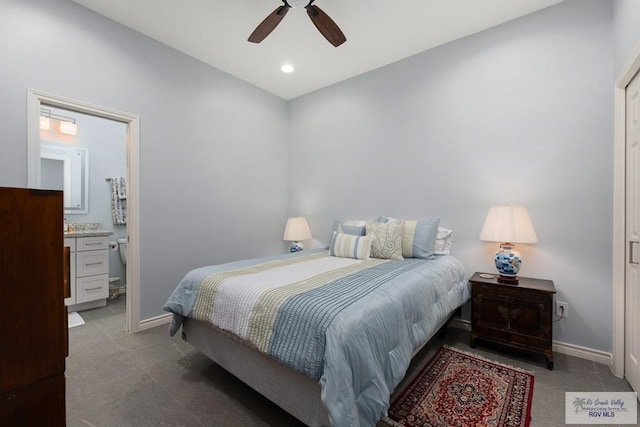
[(419, 238), (350, 246)]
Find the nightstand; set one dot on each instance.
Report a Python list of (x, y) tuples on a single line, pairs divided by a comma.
[(517, 316)]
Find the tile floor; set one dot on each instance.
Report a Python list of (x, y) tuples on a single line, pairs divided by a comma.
[(151, 379)]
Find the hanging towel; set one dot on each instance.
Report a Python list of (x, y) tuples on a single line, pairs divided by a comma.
[(121, 188), (119, 200)]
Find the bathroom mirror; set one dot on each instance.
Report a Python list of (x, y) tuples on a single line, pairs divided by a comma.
[(66, 168)]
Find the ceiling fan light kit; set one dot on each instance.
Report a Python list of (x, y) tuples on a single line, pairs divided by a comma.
[(327, 27)]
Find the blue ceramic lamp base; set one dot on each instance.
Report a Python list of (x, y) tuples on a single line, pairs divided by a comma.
[(508, 262), (296, 247)]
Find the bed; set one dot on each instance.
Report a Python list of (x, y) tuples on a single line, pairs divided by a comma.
[(326, 338)]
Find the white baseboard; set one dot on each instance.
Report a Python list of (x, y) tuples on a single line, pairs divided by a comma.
[(587, 353), (155, 321)]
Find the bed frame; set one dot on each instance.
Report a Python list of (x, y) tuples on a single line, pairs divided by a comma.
[(293, 391)]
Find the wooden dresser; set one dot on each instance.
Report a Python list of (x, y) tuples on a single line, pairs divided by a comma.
[(518, 316), (33, 319)]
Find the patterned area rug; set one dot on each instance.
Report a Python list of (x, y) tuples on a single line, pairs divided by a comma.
[(457, 388)]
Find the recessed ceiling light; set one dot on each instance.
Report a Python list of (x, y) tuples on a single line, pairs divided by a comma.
[(287, 68)]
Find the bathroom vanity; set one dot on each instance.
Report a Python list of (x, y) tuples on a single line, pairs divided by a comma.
[(89, 268)]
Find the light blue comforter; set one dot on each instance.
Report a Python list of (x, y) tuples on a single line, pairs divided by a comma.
[(363, 335)]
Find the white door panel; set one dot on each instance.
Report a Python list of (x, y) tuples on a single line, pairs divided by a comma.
[(632, 276)]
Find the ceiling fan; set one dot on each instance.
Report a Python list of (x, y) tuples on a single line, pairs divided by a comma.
[(321, 20)]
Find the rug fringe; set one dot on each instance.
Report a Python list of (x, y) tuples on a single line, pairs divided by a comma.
[(477, 356)]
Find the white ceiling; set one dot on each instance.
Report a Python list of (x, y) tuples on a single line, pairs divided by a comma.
[(378, 32)]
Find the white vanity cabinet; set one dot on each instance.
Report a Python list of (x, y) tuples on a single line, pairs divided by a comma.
[(90, 284)]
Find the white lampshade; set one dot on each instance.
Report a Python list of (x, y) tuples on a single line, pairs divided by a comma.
[(508, 224), (297, 229)]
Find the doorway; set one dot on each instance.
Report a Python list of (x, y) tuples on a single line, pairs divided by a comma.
[(36, 102)]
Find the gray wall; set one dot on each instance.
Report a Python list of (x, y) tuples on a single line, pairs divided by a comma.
[(518, 114), (626, 31), (213, 148)]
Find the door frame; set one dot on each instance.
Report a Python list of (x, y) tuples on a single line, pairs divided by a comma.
[(619, 211), (34, 100)]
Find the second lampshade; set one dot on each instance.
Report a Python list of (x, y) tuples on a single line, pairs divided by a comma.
[(508, 225), (297, 229)]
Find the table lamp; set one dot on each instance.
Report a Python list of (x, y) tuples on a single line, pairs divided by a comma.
[(296, 229), (508, 225)]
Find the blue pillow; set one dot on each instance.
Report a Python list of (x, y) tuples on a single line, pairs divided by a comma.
[(355, 227)]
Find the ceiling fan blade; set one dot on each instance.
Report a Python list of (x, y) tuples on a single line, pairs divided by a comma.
[(325, 25), (268, 25)]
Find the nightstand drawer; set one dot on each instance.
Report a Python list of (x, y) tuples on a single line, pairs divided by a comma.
[(536, 295), (481, 288), (509, 292)]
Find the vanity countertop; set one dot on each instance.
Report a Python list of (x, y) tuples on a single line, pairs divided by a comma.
[(90, 233)]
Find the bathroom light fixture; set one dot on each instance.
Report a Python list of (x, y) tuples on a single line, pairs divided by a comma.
[(296, 229), (67, 124), (70, 128), (508, 225), (287, 68), (45, 123)]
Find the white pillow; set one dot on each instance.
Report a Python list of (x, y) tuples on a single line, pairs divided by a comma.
[(444, 239), (350, 246)]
